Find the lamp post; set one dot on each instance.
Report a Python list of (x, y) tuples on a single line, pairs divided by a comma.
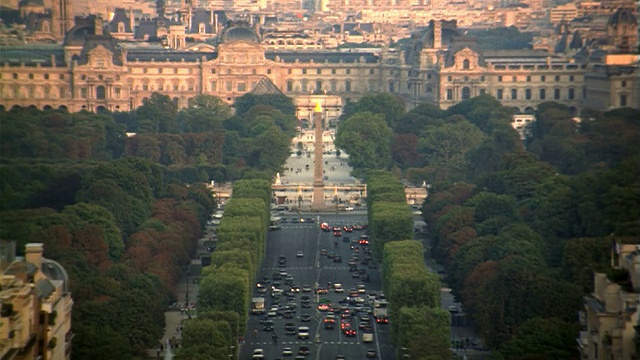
[(188, 305)]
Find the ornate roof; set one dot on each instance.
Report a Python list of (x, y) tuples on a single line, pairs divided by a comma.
[(239, 32), (622, 16)]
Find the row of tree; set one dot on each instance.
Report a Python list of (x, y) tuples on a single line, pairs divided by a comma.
[(226, 284), (199, 143), (123, 236), (418, 324)]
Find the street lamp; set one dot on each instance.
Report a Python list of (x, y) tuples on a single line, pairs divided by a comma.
[(188, 305)]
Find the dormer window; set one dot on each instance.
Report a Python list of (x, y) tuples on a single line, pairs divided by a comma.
[(121, 27), (465, 64), (201, 28)]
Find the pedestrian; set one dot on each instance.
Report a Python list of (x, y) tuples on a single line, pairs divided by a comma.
[(255, 334)]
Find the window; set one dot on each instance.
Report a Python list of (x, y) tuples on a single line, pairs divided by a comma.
[(514, 79), (571, 78), (466, 93), (289, 71), (449, 78), (319, 71), (623, 100), (15, 76), (623, 83), (83, 93), (47, 92), (201, 28), (63, 92), (228, 71), (289, 85), (392, 87), (543, 94), (348, 71), (254, 71), (527, 94), (175, 71), (449, 94), (465, 64), (268, 71), (100, 77), (333, 71), (571, 95), (229, 86), (242, 87), (46, 76), (499, 94), (543, 78), (514, 94), (159, 70), (61, 77), (116, 92), (584, 93), (334, 85), (556, 94), (303, 85), (145, 87), (482, 78), (557, 78), (213, 86), (84, 77), (304, 71), (31, 76), (100, 93), (428, 76), (482, 91), (499, 78), (528, 78), (372, 71), (144, 70), (347, 85), (319, 86)]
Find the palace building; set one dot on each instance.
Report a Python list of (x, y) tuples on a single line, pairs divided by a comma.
[(95, 71)]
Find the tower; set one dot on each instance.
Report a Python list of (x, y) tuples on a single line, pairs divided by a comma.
[(318, 182)]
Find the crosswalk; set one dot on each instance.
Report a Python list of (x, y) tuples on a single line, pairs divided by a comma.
[(305, 268)]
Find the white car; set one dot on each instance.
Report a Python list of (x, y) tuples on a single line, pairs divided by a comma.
[(303, 332), (299, 254), (348, 208), (287, 351), (258, 354), (338, 288)]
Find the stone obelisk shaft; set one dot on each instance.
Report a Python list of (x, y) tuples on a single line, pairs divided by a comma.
[(318, 175)]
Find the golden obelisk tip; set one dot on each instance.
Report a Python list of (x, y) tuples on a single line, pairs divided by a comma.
[(318, 107)]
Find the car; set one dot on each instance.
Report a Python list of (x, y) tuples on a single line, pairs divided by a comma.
[(336, 228), (276, 276), (305, 318), (371, 353), (382, 320), (306, 288), (322, 290), (304, 350), (287, 351), (337, 233), (348, 208), (362, 288), (268, 326), (349, 332), (299, 254), (453, 309), (290, 328), (323, 252), (346, 239), (363, 242), (337, 259), (257, 354), (341, 357), (294, 289), (338, 288), (323, 307), (303, 332), (325, 227)]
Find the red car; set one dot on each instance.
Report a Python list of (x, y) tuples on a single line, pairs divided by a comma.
[(349, 332), (363, 242), (325, 227), (382, 320), (322, 291), (337, 233)]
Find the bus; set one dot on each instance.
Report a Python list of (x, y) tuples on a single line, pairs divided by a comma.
[(275, 223), (380, 308), (257, 305)]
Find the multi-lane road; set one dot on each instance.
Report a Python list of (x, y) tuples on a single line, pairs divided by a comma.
[(314, 269)]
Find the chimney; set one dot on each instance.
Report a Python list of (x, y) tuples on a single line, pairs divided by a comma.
[(437, 34), (33, 254), (98, 26)]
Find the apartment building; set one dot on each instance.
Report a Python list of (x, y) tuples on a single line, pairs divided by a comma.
[(611, 313), (35, 318)]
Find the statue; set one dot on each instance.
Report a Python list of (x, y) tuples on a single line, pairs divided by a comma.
[(278, 181)]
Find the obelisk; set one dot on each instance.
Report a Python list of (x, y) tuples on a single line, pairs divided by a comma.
[(318, 179)]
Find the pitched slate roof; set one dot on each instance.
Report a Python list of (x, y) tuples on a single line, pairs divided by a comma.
[(32, 54), (322, 57)]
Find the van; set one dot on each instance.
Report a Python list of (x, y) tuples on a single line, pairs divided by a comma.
[(367, 337)]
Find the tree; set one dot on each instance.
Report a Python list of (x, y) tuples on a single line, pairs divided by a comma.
[(158, 113), (390, 107), (367, 138), (205, 113), (279, 102), (552, 339)]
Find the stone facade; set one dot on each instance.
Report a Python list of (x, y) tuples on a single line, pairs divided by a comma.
[(94, 71), (36, 306)]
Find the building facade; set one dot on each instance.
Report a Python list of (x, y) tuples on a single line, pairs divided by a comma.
[(35, 320), (96, 72)]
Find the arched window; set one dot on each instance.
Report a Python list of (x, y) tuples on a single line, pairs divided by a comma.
[(121, 27), (466, 93), (465, 64), (100, 92)]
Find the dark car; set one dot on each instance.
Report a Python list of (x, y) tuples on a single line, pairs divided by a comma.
[(305, 317), (304, 350), (290, 328), (371, 353), (337, 259)]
